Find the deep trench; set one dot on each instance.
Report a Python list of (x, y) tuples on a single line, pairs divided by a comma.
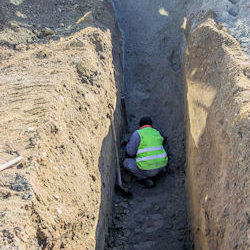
[(153, 41)]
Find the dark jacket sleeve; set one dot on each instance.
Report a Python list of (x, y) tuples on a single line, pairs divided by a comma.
[(133, 144)]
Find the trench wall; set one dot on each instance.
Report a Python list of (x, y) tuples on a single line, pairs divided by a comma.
[(58, 95), (217, 132)]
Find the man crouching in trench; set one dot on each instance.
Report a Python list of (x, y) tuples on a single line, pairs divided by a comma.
[(148, 156)]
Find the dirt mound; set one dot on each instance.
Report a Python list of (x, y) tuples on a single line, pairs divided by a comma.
[(217, 101), (57, 97)]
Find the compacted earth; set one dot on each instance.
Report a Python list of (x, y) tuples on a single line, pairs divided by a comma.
[(153, 218)]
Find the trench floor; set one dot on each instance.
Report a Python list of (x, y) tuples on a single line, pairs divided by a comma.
[(154, 219), (153, 31)]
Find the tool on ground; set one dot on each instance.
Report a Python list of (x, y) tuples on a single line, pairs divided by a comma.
[(124, 113), (123, 190), (11, 163)]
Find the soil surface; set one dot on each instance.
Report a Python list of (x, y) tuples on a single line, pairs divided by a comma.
[(59, 85), (153, 218), (152, 31), (216, 73)]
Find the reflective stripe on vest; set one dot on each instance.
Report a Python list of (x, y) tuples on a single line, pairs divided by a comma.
[(150, 154), (151, 157), (143, 150)]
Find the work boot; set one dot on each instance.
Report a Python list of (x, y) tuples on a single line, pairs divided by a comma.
[(147, 183)]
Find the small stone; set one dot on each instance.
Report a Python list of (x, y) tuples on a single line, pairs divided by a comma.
[(76, 43), (42, 234), (93, 178), (20, 184), (224, 29), (21, 47), (20, 14), (14, 26), (16, 2), (26, 196), (44, 154), (30, 129), (54, 71), (3, 214), (48, 32), (59, 211), (42, 54), (31, 46), (61, 24), (206, 198), (56, 196), (37, 33), (246, 72), (62, 98)]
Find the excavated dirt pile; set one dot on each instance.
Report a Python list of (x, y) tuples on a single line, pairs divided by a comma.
[(216, 72), (59, 85)]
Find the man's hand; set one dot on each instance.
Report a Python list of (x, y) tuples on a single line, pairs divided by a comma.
[(164, 141), (124, 144)]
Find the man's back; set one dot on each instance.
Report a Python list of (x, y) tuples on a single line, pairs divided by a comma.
[(147, 154)]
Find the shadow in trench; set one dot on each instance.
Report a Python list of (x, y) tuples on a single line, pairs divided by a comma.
[(107, 167), (107, 160)]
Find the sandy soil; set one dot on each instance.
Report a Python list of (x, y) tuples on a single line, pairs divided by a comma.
[(59, 82), (217, 129), (232, 14)]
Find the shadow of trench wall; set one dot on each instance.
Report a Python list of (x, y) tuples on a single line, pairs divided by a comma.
[(107, 167), (216, 132), (107, 160)]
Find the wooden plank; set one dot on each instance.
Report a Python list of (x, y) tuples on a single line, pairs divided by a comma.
[(11, 163)]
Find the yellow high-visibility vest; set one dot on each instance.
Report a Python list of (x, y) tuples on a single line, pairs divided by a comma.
[(151, 153)]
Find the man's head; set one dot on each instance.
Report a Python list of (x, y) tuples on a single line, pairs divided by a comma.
[(145, 121)]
